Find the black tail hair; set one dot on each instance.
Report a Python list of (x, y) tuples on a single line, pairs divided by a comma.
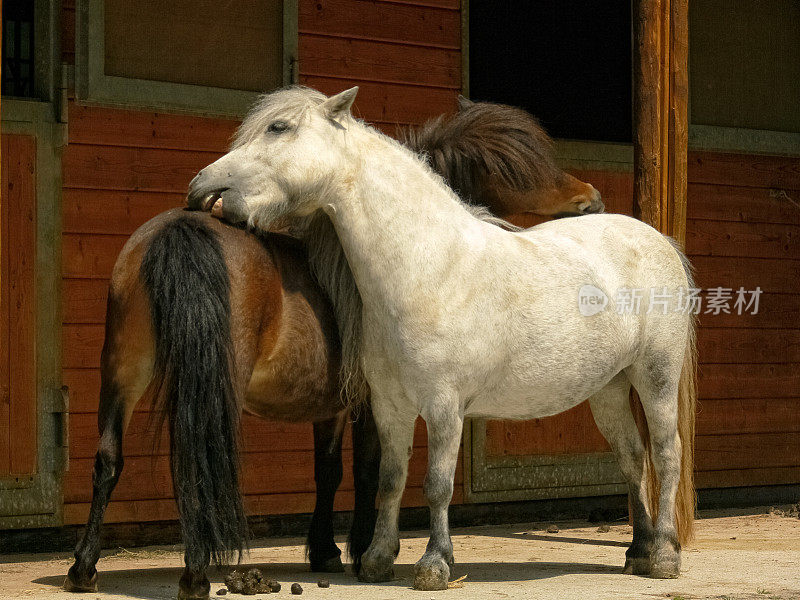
[(186, 278)]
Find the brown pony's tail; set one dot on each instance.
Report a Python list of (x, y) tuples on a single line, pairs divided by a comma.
[(186, 278), (685, 499)]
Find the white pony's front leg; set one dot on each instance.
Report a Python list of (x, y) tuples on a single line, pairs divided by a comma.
[(445, 422), (396, 432)]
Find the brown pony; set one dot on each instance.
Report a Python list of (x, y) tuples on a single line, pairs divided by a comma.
[(206, 320)]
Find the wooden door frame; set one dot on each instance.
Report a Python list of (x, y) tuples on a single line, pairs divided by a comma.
[(36, 501), (540, 477)]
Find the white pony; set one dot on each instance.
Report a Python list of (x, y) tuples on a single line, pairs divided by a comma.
[(462, 318)]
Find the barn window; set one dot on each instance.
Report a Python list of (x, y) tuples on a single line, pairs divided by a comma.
[(744, 69), (18, 49), (568, 63), (31, 67), (202, 55)]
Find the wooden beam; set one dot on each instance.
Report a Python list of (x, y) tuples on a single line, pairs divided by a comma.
[(660, 123), (660, 108)]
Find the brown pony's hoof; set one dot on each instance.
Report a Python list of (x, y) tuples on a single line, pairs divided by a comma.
[(194, 586), (72, 585), (638, 565), (330, 565), (183, 595)]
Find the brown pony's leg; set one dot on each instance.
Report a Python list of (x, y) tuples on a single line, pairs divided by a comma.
[(194, 581), (82, 576), (323, 554), (366, 464), (125, 370)]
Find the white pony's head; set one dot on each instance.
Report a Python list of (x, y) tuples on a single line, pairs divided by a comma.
[(287, 157)]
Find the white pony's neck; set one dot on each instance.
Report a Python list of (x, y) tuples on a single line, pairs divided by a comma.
[(392, 190)]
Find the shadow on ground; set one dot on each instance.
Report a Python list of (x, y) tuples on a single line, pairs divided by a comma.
[(567, 540), (156, 583)]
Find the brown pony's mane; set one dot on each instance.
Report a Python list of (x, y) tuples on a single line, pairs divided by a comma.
[(485, 139)]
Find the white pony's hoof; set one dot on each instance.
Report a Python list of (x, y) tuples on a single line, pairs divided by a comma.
[(665, 562), (431, 574), (666, 567), (375, 568), (639, 565)]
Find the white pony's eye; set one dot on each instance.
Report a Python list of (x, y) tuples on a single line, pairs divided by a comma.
[(278, 127)]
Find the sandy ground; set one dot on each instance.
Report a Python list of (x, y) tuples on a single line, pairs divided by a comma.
[(736, 557)]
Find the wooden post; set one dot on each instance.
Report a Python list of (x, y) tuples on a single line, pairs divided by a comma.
[(660, 123), (660, 113)]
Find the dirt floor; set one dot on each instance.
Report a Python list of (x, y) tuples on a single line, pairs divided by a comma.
[(737, 556)]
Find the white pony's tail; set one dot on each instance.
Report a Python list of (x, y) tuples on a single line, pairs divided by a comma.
[(685, 499)]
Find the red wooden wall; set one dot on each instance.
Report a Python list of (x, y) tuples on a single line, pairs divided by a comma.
[(122, 167), (18, 422), (743, 230)]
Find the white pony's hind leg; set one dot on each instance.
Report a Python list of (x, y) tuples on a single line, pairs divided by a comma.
[(612, 413), (445, 422), (396, 432), (656, 378)]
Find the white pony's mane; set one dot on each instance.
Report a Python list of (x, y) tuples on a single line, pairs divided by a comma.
[(326, 256)]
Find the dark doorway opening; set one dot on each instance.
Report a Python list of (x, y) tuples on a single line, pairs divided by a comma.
[(568, 62)]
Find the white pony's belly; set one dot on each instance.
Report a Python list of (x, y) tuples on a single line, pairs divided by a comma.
[(544, 364), (518, 408), (538, 396)]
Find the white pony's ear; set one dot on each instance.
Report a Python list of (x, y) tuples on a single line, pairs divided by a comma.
[(464, 103), (336, 106)]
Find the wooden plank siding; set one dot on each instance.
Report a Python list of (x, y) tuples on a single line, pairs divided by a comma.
[(18, 401), (122, 167), (743, 229)]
